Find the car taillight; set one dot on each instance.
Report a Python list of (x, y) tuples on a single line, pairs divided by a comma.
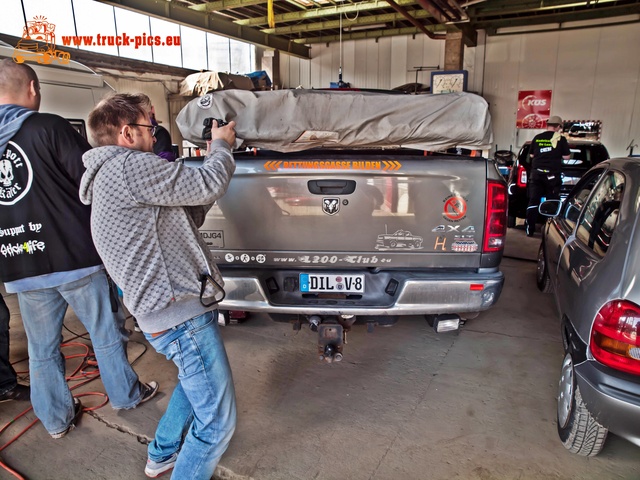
[(495, 227), (615, 336), (522, 176)]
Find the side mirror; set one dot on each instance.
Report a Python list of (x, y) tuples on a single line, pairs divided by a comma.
[(550, 208)]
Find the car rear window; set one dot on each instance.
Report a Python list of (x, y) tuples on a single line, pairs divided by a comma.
[(586, 156)]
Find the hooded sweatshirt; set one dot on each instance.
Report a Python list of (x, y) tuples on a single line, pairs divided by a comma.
[(144, 220)]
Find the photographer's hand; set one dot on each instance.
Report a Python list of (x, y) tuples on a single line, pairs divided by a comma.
[(226, 133)]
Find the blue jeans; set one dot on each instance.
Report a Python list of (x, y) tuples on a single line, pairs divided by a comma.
[(43, 314), (202, 408)]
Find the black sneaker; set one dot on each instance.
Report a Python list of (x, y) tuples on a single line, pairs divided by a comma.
[(19, 392), (77, 408), (149, 391)]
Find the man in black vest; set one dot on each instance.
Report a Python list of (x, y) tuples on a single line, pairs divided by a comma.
[(548, 149), (47, 256)]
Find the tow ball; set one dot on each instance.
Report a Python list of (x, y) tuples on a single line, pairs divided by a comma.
[(332, 335)]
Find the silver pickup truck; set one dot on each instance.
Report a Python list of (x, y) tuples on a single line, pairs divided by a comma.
[(339, 212)]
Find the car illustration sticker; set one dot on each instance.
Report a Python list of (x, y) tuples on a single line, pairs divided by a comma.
[(399, 240)]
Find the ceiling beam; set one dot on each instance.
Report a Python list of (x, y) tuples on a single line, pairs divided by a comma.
[(387, 32), (573, 16), (225, 5), (335, 24), (416, 23), (351, 8), (211, 23)]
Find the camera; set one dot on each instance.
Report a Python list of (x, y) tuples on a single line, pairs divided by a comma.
[(208, 122)]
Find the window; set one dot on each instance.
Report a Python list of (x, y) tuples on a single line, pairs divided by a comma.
[(575, 201), (600, 215)]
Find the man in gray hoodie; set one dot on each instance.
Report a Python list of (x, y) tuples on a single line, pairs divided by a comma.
[(144, 220), (47, 256)]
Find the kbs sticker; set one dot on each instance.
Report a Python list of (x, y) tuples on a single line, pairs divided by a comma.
[(455, 208)]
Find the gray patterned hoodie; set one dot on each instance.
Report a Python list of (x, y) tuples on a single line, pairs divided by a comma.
[(144, 222)]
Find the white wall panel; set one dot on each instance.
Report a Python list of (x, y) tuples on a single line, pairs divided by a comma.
[(287, 71), (616, 85), (502, 65), (398, 65), (384, 58), (372, 69), (415, 55), (348, 63), (577, 60), (594, 73)]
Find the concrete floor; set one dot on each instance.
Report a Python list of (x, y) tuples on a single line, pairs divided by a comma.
[(405, 403)]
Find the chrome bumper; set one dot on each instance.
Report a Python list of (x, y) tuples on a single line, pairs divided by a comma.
[(431, 294)]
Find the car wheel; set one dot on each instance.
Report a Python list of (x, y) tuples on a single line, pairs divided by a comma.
[(542, 274), (511, 221), (579, 431)]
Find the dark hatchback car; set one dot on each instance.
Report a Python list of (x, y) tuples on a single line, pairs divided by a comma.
[(584, 155), (590, 258)]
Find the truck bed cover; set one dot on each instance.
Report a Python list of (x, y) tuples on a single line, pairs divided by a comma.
[(295, 120)]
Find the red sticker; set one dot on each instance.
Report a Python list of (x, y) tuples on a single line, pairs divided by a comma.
[(455, 208)]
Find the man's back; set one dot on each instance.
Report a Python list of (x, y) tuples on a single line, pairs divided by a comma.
[(40, 174)]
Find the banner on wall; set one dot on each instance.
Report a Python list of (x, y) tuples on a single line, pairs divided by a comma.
[(534, 107)]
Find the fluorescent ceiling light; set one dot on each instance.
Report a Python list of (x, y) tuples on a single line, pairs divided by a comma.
[(365, 27)]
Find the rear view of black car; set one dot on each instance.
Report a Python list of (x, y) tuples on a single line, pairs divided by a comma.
[(584, 155)]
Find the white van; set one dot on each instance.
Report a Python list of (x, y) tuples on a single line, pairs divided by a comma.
[(70, 90)]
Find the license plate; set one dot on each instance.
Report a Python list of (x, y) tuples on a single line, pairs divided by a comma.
[(313, 283)]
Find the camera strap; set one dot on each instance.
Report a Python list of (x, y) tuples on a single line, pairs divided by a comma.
[(204, 278)]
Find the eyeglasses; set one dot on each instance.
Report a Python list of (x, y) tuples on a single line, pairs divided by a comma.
[(154, 128)]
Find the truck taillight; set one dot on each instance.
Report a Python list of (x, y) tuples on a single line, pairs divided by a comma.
[(495, 227), (522, 176), (615, 336)]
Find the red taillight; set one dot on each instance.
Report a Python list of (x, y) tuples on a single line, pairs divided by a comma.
[(615, 336), (495, 227), (522, 177)]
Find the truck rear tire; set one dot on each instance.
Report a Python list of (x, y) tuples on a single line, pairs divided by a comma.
[(511, 221)]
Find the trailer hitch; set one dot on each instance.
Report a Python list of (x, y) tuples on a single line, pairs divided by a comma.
[(332, 335)]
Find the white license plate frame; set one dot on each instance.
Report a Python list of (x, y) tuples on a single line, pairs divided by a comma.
[(332, 283)]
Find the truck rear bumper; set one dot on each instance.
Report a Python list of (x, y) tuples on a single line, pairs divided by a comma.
[(392, 293)]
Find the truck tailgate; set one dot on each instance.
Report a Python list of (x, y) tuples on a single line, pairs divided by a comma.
[(349, 210)]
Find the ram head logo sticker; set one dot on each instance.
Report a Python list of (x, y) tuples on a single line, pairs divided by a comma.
[(330, 206)]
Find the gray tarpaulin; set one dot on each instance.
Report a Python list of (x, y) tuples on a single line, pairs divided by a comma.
[(293, 120)]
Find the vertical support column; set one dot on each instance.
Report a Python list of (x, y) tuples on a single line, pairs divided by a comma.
[(453, 51), (271, 65)]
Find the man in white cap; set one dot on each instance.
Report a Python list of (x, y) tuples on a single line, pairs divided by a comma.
[(548, 149)]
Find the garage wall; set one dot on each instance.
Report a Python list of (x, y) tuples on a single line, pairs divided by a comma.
[(159, 88), (594, 74)]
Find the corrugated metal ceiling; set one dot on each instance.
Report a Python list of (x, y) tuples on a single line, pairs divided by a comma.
[(296, 23)]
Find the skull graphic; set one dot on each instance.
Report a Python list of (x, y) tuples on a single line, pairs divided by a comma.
[(6, 173)]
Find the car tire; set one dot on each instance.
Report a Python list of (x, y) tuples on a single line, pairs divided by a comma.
[(542, 274), (511, 221), (579, 432)]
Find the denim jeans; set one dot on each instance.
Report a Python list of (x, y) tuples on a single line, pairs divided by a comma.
[(202, 408), (43, 314)]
